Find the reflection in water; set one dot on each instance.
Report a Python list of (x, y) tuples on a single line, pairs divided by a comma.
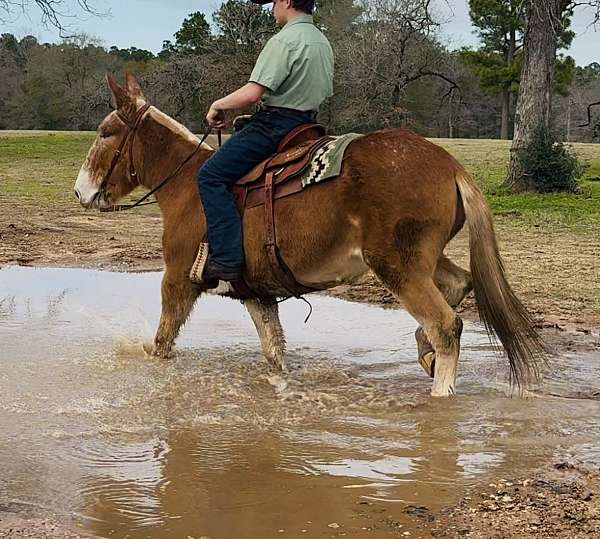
[(209, 443), (8, 307)]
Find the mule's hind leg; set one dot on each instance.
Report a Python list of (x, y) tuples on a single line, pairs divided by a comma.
[(270, 332), (178, 298), (409, 275), (422, 299), (454, 283)]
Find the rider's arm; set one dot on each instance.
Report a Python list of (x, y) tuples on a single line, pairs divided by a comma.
[(247, 95), (272, 68)]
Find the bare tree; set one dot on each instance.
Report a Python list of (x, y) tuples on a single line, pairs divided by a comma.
[(575, 114), (185, 87), (12, 60), (53, 12), (392, 46)]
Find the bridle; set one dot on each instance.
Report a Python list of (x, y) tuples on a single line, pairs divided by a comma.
[(129, 138)]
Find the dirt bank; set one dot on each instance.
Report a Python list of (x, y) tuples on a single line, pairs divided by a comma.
[(561, 502), (13, 527)]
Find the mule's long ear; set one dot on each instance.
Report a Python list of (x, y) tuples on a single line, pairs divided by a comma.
[(133, 86), (121, 98)]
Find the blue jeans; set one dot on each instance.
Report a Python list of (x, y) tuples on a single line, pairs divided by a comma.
[(257, 141)]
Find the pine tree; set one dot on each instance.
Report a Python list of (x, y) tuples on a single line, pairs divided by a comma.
[(498, 63), (194, 36)]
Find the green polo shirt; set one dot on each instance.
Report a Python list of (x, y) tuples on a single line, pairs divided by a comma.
[(296, 67)]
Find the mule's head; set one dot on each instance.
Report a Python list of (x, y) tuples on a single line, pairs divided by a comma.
[(104, 176)]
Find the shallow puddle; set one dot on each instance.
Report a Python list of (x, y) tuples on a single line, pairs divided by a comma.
[(210, 444)]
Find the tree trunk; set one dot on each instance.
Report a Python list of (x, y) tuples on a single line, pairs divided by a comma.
[(535, 92), (513, 107), (569, 115), (504, 128), (451, 115)]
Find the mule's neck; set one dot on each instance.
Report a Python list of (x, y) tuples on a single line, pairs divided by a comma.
[(164, 145)]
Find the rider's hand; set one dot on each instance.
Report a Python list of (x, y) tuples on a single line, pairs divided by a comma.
[(215, 117)]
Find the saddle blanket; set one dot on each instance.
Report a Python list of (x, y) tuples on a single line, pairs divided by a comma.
[(328, 159)]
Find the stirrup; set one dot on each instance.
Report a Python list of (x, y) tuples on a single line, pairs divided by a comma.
[(198, 267)]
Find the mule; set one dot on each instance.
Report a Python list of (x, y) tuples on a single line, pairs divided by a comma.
[(398, 202)]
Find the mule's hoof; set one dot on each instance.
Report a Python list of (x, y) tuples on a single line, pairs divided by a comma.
[(443, 392), (425, 352), (427, 362), (159, 353), (276, 364)]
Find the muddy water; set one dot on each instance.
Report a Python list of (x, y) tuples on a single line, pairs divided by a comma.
[(210, 444)]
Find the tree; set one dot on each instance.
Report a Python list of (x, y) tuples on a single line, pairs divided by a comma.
[(12, 64), (242, 27), (588, 74), (62, 85), (588, 86), (390, 48), (500, 26), (544, 27), (570, 112), (498, 64), (337, 17), (168, 50), (132, 54), (52, 12), (185, 86), (194, 36)]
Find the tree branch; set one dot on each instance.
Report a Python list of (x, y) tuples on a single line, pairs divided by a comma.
[(53, 12), (589, 114)]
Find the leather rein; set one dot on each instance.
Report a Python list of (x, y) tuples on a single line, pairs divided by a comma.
[(132, 128)]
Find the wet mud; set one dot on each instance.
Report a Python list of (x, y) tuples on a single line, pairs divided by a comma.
[(109, 442)]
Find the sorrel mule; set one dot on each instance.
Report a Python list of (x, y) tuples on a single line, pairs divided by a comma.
[(399, 200)]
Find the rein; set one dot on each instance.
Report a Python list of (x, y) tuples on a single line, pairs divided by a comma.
[(130, 136)]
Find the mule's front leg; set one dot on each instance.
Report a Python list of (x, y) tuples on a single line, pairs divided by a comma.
[(270, 332), (178, 298)]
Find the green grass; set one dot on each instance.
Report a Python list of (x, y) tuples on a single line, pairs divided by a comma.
[(487, 161), (40, 168), (593, 171), (53, 146)]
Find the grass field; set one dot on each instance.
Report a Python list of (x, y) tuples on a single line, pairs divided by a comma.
[(551, 243), (42, 167), (487, 160)]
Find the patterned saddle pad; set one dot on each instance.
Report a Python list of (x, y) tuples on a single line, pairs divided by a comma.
[(327, 161)]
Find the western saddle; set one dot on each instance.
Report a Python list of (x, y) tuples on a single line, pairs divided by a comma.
[(276, 177)]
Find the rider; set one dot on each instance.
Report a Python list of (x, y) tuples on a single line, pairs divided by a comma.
[(291, 79)]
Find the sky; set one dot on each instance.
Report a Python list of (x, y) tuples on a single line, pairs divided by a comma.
[(147, 23)]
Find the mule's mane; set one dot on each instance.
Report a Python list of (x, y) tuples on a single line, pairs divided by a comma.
[(175, 127)]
